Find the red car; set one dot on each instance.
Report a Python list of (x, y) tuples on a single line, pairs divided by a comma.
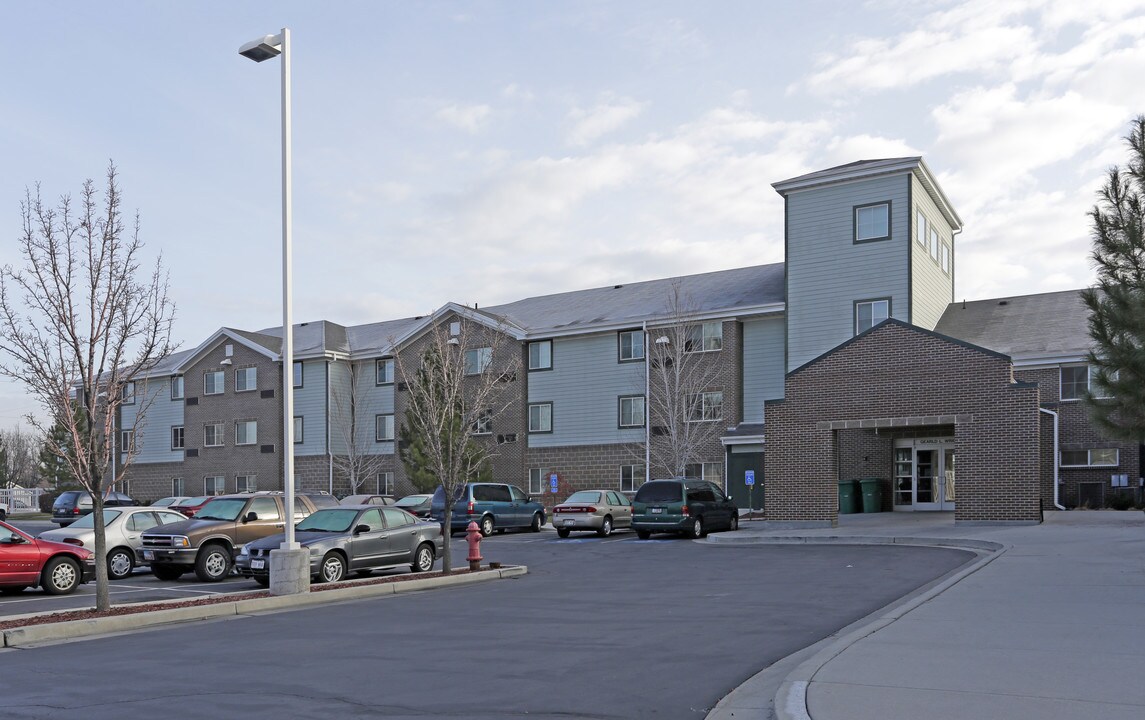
[(28, 562), (190, 506)]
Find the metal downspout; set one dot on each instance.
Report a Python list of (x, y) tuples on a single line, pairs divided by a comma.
[(647, 405), (1057, 460)]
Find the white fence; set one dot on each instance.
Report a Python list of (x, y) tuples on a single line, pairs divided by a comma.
[(21, 500)]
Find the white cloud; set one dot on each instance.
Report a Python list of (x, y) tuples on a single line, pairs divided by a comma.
[(469, 118), (591, 124)]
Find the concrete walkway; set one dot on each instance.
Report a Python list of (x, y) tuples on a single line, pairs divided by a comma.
[(1048, 623)]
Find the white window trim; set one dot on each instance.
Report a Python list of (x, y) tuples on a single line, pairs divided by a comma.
[(620, 345), (299, 427), (870, 207), (872, 302), (549, 405), (243, 373), (183, 435), (1061, 381), (704, 405), (222, 385), (621, 414), (219, 435), (637, 479), (385, 377), (484, 358), (715, 338), (538, 344), (391, 430), (176, 381), (536, 481), (252, 438), (214, 480)]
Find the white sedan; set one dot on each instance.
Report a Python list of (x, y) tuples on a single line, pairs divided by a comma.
[(598, 510), (123, 530)]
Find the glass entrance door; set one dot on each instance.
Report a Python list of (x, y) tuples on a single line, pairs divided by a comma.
[(924, 474)]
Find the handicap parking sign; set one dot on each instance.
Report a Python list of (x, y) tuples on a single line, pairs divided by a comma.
[(749, 477), (553, 482)]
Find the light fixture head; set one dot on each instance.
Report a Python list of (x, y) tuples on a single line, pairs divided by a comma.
[(264, 48), (662, 340), (225, 361), (453, 341)]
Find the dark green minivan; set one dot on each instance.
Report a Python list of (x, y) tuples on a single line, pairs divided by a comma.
[(685, 507)]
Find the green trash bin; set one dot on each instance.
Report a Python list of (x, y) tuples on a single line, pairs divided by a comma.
[(848, 498), (872, 495)]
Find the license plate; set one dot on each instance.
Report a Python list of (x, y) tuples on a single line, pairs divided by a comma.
[(148, 554), (656, 511), (569, 523), (257, 564)]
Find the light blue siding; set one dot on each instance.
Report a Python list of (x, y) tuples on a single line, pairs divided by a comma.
[(584, 387), (161, 413), (375, 400), (827, 272), (762, 365), (310, 403)]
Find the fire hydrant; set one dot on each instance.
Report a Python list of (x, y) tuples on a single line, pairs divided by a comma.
[(473, 537)]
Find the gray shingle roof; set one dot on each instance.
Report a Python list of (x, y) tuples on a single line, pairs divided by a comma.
[(1023, 326)]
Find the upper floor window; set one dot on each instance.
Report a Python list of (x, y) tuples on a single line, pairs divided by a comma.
[(177, 387), (632, 411), (127, 441), (706, 406), (631, 345), (246, 379), (541, 417), (704, 337), (177, 437), (872, 222), (213, 435), (246, 432), (384, 428), (213, 382), (477, 360), (298, 428), (484, 424), (869, 313), (541, 355), (298, 374), (920, 229), (932, 243), (384, 371), (127, 393), (1074, 381), (945, 261)]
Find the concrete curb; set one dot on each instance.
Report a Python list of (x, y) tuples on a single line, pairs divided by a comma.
[(790, 702), (74, 629)]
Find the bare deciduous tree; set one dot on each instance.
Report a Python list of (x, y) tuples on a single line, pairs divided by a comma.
[(354, 435), (22, 450), (456, 383), (79, 323), (684, 393)]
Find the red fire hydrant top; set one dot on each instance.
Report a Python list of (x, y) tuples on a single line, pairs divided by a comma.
[(473, 537)]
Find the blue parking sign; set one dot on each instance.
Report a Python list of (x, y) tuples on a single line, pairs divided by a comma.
[(553, 482), (749, 477)]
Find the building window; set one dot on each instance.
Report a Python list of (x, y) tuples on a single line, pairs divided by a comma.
[(1074, 381), (536, 481), (869, 313), (632, 411), (541, 355), (704, 337), (298, 374), (631, 345), (706, 406), (1097, 457), (541, 417), (213, 435), (246, 379), (385, 483), (483, 425), (298, 428), (920, 230), (631, 477), (246, 432), (127, 393), (177, 388), (177, 487), (213, 382), (384, 428), (477, 360), (246, 483), (214, 485), (932, 243), (177, 442), (713, 472), (945, 261), (384, 371), (127, 441), (872, 222)]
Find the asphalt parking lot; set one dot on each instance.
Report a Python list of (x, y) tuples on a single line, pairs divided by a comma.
[(606, 628)]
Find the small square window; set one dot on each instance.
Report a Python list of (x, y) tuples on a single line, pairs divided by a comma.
[(704, 337), (632, 411), (484, 424), (1074, 381), (541, 355), (384, 369), (214, 485), (246, 379), (213, 435), (477, 360), (541, 417), (872, 222), (631, 345), (246, 483), (246, 432), (213, 382), (706, 406), (869, 313), (631, 477)]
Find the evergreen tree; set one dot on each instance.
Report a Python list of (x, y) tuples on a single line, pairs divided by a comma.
[(54, 467), (1116, 398), (4, 472)]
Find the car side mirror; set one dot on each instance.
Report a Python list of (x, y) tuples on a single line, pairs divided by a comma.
[(361, 529), (250, 516), (13, 540)]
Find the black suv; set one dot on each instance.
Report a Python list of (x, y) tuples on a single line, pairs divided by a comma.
[(686, 507), (71, 505)]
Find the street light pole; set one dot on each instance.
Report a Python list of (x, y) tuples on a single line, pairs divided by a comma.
[(259, 50)]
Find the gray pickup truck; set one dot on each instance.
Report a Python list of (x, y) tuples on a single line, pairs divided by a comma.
[(208, 542)]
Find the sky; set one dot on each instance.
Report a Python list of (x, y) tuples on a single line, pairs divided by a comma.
[(484, 152)]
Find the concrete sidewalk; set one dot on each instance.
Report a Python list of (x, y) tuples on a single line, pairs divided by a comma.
[(1048, 622)]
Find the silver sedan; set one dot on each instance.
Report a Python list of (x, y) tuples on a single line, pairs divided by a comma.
[(597, 510), (123, 530)]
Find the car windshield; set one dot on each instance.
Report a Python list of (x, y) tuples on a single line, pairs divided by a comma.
[(88, 521), (191, 501), (659, 492), (328, 521), (584, 496), (221, 509), (411, 500)]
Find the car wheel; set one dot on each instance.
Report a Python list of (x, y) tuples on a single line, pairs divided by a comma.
[(165, 572), (120, 563), (261, 580), (563, 532), (538, 522), (61, 576), (643, 534), (333, 568), (13, 589), (697, 529), (423, 558), (734, 524), (487, 526), (605, 527), (213, 563), (364, 573)]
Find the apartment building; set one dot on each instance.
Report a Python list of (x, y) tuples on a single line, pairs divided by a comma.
[(850, 359)]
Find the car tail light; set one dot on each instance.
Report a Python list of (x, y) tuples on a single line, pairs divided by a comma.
[(684, 510), (73, 541), (469, 508), (75, 511)]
